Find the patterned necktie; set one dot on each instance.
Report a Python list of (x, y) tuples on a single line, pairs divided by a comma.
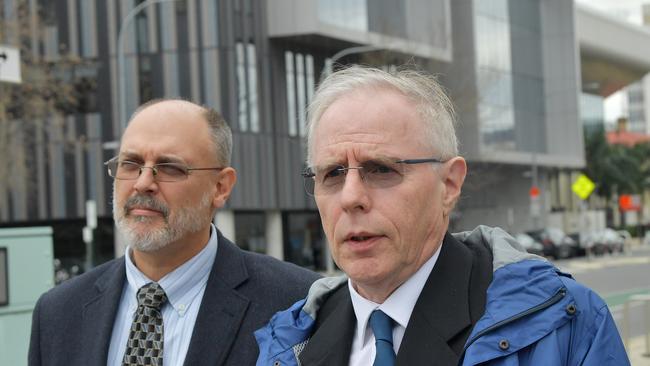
[(382, 328), (145, 344)]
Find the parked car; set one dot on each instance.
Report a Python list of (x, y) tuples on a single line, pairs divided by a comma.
[(531, 245), (556, 243), (579, 249), (605, 241)]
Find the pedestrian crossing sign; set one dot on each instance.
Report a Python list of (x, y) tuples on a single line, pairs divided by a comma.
[(583, 186)]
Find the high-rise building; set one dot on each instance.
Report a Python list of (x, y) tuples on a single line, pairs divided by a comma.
[(638, 94), (511, 66)]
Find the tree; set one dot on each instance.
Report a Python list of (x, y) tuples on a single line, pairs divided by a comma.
[(49, 90)]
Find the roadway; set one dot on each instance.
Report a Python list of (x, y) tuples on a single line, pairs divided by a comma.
[(617, 278)]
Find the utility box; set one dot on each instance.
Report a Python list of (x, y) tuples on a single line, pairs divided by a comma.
[(26, 271)]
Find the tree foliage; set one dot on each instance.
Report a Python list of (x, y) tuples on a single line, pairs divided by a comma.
[(52, 86), (617, 168)]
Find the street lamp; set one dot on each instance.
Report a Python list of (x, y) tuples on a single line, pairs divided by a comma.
[(345, 52)]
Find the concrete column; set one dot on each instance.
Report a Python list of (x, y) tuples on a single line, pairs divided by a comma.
[(274, 246), (224, 220)]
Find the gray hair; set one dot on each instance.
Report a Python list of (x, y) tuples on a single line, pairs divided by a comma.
[(433, 105), (220, 132)]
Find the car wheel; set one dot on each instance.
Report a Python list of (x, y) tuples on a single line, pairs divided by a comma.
[(563, 252)]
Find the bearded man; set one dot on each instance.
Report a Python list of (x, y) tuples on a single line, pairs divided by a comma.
[(183, 294)]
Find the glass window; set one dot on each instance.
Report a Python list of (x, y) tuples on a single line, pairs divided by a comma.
[(241, 87), (168, 26), (301, 92), (89, 29), (291, 93), (305, 244), (252, 88), (247, 87), (209, 29), (250, 231)]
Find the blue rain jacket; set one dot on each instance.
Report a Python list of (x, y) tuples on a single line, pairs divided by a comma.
[(534, 315)]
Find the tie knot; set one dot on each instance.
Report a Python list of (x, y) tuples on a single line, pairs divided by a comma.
[(151, 295), (382, 326)]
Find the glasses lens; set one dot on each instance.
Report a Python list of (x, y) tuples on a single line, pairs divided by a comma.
[(125, 170), (170, 172), (381, 174)]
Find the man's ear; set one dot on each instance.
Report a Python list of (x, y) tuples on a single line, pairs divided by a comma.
[(455, 170), (225, 183)]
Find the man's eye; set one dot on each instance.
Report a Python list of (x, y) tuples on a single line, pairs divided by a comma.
[(377, 168), (333, 173), (171, 170), (128, 166)]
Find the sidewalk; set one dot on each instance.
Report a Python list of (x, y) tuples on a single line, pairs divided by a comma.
[(637, 351)]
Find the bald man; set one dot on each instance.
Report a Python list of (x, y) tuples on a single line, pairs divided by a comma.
[(182, 294)]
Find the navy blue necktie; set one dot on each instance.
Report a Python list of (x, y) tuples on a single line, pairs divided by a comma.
[(382, 328)]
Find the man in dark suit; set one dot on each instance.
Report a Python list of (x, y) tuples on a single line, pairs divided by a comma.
[(384, 169), (182, 294)]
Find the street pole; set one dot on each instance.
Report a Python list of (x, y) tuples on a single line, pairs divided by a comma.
[(128, 19), (346, 52)]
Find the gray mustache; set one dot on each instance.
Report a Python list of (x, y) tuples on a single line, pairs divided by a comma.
[(147, 202)]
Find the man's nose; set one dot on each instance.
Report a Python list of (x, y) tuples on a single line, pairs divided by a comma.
[(146, 181), (354, 192)]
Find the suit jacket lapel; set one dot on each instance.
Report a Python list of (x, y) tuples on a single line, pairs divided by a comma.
[(222, 308), (99, 314), (331, 343), (441, 319)]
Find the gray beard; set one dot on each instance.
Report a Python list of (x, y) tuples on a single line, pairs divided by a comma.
[(186, 220)]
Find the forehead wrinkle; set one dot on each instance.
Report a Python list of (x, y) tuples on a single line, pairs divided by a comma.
[(160, 158), (340, 152)]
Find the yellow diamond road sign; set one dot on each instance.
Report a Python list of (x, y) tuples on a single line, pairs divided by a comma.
[(583, 186)]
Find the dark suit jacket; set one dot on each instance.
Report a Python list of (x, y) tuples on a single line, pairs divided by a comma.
[(72, 323), (451, 302)]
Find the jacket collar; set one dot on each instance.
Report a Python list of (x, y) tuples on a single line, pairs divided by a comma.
[(442, 311), (99, 312), (222, 308)]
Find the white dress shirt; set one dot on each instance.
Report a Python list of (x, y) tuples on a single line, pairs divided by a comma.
[(184, 288), (399, 306)]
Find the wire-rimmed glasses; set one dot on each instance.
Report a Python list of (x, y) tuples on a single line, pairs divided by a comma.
[(162, 172), (380, 173)]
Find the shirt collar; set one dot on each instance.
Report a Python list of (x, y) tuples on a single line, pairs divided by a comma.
[(399, 305), (184, 283)]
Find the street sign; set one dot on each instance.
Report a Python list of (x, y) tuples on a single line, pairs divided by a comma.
[(583, 186), (534, 191), (629, 202), (9, 64)]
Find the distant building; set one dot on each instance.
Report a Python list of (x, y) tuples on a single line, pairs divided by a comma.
[(638, 94), (511, 66)]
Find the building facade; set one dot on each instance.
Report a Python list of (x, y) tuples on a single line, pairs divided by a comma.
[(511, 66)]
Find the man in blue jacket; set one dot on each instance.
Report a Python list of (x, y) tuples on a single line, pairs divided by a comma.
[(385, 173)]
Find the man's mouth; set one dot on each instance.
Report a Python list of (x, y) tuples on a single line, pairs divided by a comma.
[(359, 238)]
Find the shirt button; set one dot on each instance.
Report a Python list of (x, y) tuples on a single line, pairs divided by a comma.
[(181, 307)]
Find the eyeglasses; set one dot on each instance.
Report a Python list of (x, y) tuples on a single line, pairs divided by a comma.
[(162, 172), (374, 173)]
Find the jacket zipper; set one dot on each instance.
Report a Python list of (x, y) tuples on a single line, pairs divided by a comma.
[(554, 299)]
